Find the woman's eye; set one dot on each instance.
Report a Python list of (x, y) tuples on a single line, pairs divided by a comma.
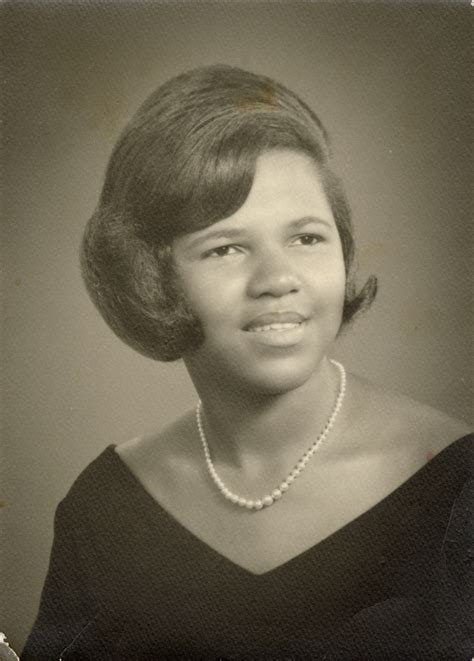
[(221, 251), (309, 239)]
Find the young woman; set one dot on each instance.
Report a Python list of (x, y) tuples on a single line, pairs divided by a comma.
[(293, 514)]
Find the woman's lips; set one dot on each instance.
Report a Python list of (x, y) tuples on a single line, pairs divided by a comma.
[(272, 327), (277, 330), (275, 321)]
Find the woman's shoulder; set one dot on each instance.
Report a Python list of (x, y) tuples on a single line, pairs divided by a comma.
[(158, 453), (120, 469), (395, 422), (95, 488)]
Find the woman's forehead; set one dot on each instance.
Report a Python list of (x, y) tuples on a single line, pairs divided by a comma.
[(281, 169), (286, 185), (287, 195)]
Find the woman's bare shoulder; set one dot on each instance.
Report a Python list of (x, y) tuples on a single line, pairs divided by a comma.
[(175, 443), (394, 419)]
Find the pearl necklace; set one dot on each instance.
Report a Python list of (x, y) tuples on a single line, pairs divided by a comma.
[(277, 493)]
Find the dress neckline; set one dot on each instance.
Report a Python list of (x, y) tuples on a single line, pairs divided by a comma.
[(364, 519)]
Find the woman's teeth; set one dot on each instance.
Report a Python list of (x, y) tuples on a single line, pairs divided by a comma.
[(273, 327)]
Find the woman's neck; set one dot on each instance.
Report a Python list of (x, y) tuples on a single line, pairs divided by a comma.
[(248, 430)]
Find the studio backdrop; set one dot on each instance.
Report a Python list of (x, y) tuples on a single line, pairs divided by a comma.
[(390, 82)]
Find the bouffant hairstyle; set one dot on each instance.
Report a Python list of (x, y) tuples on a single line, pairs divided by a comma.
[(186, 160)]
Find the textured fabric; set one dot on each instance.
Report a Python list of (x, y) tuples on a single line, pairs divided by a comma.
[(127, 581)]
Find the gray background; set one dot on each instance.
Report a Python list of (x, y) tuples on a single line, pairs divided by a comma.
[(391, 83)]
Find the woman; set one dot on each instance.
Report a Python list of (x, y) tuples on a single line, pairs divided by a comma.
[(292, 515)]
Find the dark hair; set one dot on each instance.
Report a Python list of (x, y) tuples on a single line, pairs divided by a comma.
[(186, 160)]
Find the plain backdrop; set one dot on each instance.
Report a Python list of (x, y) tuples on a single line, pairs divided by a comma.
[(390, 81)]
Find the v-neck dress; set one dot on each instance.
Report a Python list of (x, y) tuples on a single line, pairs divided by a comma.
[(127, 581)]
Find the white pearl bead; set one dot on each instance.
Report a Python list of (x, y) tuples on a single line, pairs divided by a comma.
[(297, 470)]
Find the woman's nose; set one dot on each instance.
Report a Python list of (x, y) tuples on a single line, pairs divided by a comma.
[(273, 275)]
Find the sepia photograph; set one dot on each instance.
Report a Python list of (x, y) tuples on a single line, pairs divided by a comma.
[(237, 398)]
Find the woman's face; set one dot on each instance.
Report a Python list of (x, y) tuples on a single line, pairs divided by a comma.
[(267, 283)]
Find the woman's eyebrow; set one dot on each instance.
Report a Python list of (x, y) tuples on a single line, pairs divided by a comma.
[(235, 233), (300, 223), (231, 233)]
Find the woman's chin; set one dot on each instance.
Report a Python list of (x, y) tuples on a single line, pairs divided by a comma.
[(259, 375), (275, 379)]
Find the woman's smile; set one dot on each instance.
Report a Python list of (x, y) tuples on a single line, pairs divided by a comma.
[(267, 283), (277, 329), (279, 337)]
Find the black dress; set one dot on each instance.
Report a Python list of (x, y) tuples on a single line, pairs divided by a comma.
[(127, 581)]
